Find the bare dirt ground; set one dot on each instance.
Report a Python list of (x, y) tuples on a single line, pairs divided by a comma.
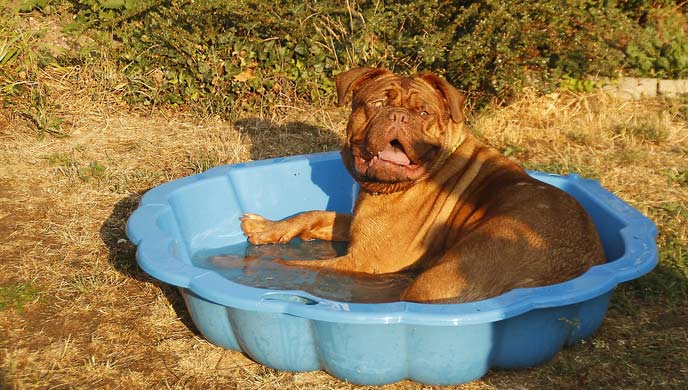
[(76, 311)]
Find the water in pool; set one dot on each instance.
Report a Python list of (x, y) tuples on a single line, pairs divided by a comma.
[(254, 266)]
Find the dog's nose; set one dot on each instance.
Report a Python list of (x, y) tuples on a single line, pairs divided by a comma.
[(398, 116)]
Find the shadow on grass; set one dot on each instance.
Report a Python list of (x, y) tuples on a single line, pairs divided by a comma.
[(122, 255), (269, 139), (665, 287)]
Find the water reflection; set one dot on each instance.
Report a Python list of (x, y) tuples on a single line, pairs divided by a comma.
[(254, 266)]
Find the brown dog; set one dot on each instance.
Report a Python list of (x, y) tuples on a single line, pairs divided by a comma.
[(433, 199)]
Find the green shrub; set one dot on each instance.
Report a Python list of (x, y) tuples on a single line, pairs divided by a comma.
[(17, 295), (221, 56), (663, 50)]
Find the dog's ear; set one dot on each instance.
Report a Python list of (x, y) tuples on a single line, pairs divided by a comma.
[(455, 99), (348, 81)]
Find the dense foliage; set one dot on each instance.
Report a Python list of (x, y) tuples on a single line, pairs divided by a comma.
[(221, 55)]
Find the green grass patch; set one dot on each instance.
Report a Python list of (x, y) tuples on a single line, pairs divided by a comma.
[(678, 176), (17, 295), (647, 130), (675, 209), (40, 112), (69, 165), (203, 161), (628, 155), (23, 60), (133, 181), (61, 159), (579, 138), (94, 170), (512, 150)]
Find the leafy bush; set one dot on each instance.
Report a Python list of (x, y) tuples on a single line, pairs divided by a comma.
[(664, 51), (224, 55)]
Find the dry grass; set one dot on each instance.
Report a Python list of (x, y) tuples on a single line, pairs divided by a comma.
[(84, 316), (97, 321)]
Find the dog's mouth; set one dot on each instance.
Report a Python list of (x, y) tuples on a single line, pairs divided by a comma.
[(390, 164), (394, 153)]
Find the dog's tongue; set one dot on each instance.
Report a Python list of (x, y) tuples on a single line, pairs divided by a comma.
[(395, 155)]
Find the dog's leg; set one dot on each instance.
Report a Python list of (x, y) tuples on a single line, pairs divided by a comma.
[(310, 225), (441, 283), (341, 263)]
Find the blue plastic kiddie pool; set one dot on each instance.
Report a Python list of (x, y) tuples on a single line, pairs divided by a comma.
[(362, 342)]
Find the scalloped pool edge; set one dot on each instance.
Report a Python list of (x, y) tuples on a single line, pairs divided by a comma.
[(384, 343)]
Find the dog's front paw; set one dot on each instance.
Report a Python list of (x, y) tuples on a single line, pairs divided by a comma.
[(263, 231)]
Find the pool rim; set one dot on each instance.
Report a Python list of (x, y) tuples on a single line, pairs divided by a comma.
[(155, 255)]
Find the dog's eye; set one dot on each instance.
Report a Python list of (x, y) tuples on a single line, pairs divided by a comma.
[(424, 113), (377, 103)]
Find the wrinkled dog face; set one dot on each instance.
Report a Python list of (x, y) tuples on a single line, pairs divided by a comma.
[(398, 126)]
